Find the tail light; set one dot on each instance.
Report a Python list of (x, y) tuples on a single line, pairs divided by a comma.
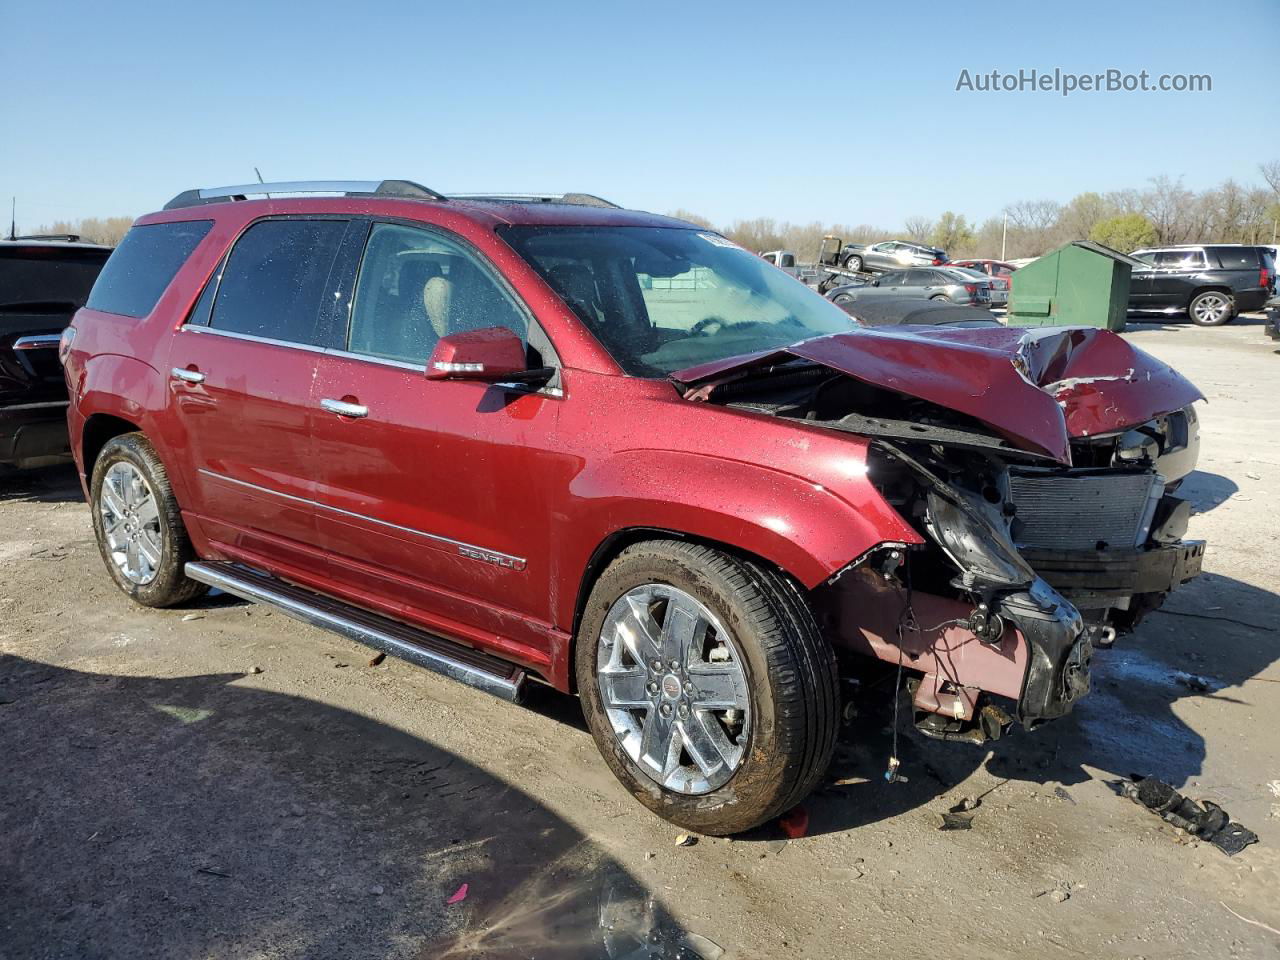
[(1264, 277), (971, 288), (937, 262), (64, 343)]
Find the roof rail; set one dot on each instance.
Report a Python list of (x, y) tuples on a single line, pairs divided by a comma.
[(372, 188), (576, 199)]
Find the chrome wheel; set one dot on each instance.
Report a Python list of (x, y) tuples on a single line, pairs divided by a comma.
[(131, 522), (673, 687), (1210, 308)]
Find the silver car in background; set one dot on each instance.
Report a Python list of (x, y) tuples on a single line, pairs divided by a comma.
[(948, 284)]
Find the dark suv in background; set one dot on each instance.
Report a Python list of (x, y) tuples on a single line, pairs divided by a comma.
[(43, 281), (1211, 282)]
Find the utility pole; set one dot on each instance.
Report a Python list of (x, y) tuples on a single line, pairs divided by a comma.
[(1004, 236)]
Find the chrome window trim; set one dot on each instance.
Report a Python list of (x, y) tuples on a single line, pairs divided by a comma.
[(465, 549), (349, 355), (384, 361), (251, 338)]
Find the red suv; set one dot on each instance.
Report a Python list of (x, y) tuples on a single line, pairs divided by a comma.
[(548, 438)]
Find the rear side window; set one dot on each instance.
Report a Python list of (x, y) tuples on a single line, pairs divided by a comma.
[(276, 278), (1180, 260), (144, 264), (1238, 258)]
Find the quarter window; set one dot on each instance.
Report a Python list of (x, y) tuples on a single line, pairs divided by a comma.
[(276, 280), (1238, 258), (141, 268), (417, 286)]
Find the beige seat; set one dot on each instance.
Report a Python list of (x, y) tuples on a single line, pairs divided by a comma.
[(437, 299)]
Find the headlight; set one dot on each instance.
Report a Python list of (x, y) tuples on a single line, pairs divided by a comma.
[(976, 544)]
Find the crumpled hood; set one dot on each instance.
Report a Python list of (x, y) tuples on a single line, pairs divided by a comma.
[(1037, 388)]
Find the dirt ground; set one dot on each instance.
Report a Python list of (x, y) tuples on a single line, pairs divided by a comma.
[(221, 781)]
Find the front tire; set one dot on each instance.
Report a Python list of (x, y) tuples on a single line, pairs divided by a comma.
[(707, 685), (1212, 308), (138, 524), (854, 263)]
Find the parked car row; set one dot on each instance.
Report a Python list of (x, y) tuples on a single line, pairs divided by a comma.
[(518, 439), (1210, 283), (950, 284)]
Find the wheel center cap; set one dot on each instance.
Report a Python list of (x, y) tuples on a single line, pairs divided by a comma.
[(671, 686)]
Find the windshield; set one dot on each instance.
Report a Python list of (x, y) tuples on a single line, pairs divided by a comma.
[(664, 298)]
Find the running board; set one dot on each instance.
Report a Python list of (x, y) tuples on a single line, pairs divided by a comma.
[(479, 670)]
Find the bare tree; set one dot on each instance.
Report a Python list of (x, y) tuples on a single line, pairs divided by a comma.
[(1271, 173), (691, 217), (1031, 226), (109, 230), (917, 228), (1165, 206)]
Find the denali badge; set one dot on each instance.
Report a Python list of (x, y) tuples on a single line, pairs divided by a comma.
[(499, 559)]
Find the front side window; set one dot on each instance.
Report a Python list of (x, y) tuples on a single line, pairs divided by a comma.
[(662, 298), (276, 280), (144, 264), (417, 286), (893, 279)]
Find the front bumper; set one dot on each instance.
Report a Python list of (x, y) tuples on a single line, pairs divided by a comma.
[(1093, 579), (33, 434)]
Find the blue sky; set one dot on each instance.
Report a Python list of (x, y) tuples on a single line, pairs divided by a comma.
[(728, 109)]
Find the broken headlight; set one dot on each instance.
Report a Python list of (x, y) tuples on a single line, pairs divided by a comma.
[(976, 542)]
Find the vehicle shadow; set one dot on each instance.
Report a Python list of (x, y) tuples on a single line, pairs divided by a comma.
[(203, 816), (54, 484), (1214, 635), (1207, 490), (1175, 322)]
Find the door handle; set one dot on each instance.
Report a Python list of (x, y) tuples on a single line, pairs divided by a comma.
[(344, 409), (188, 376)]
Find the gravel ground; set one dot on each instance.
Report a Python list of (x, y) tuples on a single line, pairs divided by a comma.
[(223, 782)]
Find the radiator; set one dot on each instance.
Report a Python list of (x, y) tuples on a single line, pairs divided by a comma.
[(1083, 510)]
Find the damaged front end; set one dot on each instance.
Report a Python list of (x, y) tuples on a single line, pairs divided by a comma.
[(1044, 535)]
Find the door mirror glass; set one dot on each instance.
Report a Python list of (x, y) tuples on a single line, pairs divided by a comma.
[(491, 354)]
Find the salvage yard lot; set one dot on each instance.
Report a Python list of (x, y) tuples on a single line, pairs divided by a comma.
[(222, 781)]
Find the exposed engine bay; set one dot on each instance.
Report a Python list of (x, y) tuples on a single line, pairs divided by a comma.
[(1028, 563)]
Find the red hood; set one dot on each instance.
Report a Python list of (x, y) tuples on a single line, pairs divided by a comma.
[(1037, 388)]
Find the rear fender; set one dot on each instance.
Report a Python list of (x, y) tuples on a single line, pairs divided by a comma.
[(129, 389)]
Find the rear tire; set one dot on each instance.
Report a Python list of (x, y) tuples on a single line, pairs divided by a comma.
[(138, 524), (786, 677), (942, 297), (1212, 308)]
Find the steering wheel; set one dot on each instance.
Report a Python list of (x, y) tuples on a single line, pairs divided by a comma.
[(703, 327)]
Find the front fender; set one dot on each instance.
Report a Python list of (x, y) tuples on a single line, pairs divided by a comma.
[(799, 526)]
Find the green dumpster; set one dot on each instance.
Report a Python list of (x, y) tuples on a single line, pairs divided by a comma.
[(1080, 284)]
